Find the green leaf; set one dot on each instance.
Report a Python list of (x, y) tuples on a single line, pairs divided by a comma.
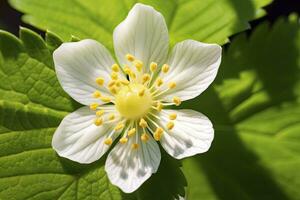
[(207, 21), (255, 107), (32, 104)]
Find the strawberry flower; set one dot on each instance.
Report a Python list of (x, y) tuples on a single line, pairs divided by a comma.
[(126, 103)]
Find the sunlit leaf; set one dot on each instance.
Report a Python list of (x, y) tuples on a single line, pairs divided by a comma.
[(255, 106), (208, 21)]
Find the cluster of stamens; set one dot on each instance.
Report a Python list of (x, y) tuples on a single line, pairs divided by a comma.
[(137, 102)]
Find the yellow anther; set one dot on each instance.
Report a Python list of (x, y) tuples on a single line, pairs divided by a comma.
[(96, 94), (115, 67), (105, 99), (100, 81), (130, 57), (159, 106), (158, 133), (144, 137), (170, 125), (146, 77), (99, 113), (111, 83), (159, 81), (176, 101), (131, 132), (98, 122), (172, 85), (135, 146), (132, 75), (124, 82), (108, 141), (153, 66), (119, 126), (142, 92), (114, 75), (165, 68), (172, 116), (143, 123), (111, 117), (94, 106), (113, 90), (138, 64), (118, 83), (123, 140), (127, 69)]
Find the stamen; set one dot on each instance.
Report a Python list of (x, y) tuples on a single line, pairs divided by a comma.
[(118, 83), (108, 141), (172, 85), (131, 132), (119, 126), (100, 81), (94, 106), (153, 66), (142, 92), (165, 68), (172, 116), (132, 75), (176, 101), (159, 106), (130, 57), (124, 82), (135, 146), (96, 94), (113, 90), (105, 99), (146, 77), (115, 67), (138, 64), (111, 83), (144, 137), (99, 113), (127, 70), (159, 81), (123, 140), (98, 122), (111, 117), (114, 75), (143, 123), (170, 125), (158, 133)]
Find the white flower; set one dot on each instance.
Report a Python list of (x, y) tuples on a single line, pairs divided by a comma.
[(128, 102)]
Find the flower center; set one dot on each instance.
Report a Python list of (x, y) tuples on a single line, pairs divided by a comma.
[(133, 100)]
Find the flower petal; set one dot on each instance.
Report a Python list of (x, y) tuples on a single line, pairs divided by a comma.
[(129, 168), (193, 67), (79, 139), (78, 65), (144, 34), (192, 134)]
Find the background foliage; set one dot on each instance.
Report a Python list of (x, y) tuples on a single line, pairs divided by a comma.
[(254, 104)]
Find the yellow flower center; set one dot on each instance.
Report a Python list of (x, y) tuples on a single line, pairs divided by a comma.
[(137, 101), (133, 100)]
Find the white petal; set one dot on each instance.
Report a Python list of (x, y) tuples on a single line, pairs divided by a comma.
[(78, 64), (192, 134), (129, 168), (144, 34), (78, 139), (193, 66)]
